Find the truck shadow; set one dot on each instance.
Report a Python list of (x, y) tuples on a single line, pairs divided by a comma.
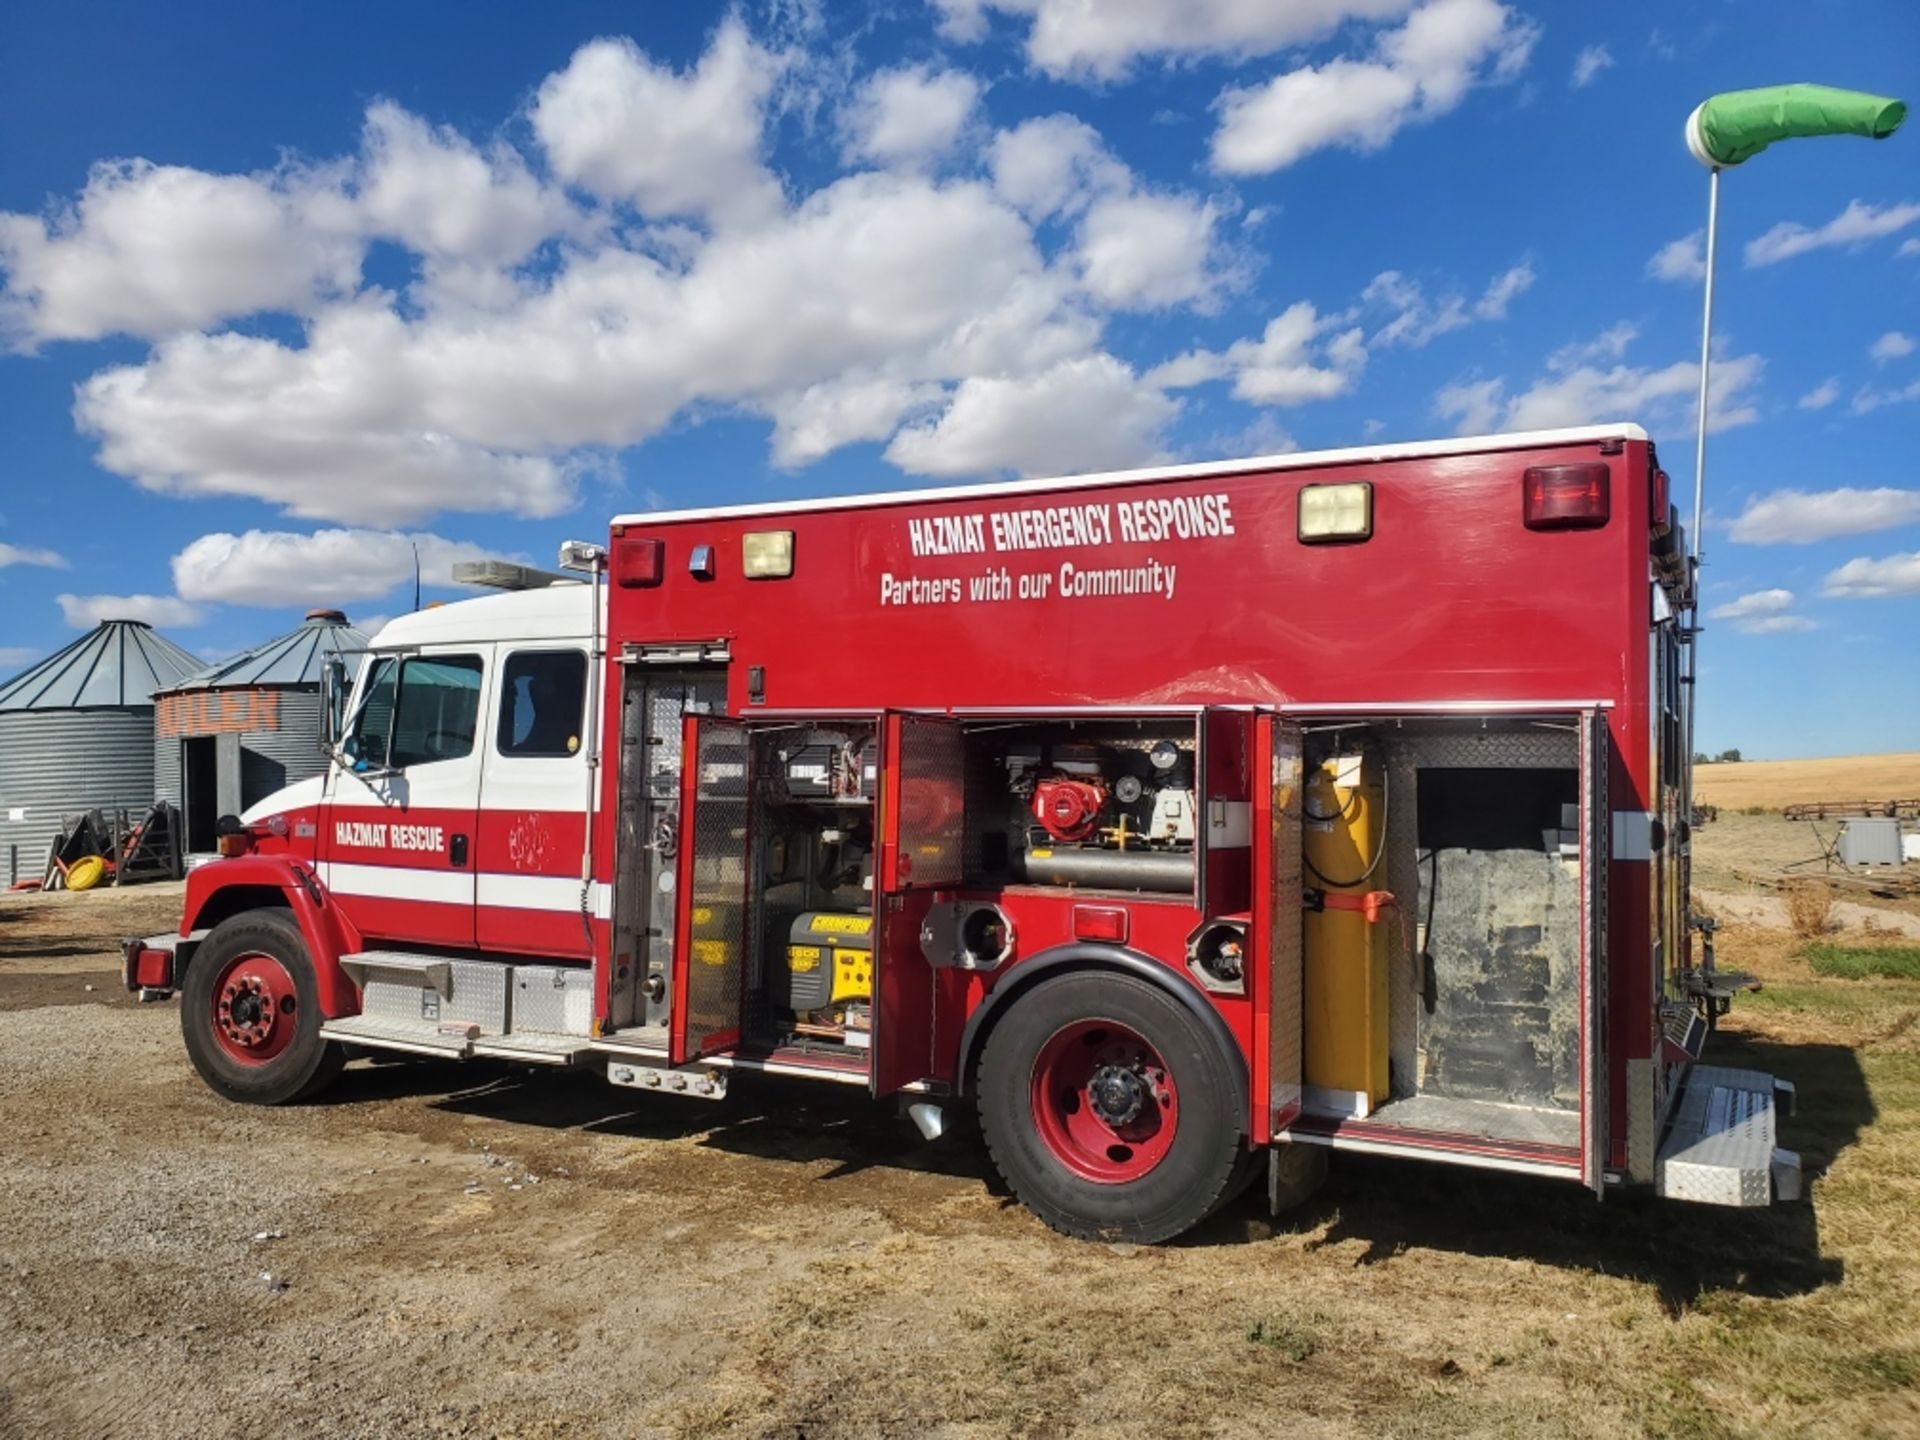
[(1394, 1208), (1683, 1250)]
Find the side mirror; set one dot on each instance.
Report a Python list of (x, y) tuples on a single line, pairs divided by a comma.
[(333, 700)]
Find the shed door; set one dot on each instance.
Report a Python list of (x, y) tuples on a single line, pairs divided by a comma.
[(921, 836), (1278, 984), (716, 883), (1595, 855)]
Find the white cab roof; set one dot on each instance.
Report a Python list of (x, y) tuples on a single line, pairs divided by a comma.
[(558, 612)]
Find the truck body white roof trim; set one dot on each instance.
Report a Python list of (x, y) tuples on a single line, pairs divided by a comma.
[(1298, 460)]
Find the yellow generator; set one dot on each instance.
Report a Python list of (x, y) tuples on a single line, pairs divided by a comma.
[(1346, 934), (826, 985)]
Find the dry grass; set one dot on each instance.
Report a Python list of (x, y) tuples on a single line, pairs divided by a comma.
[(1809, 907), (1773, 784)]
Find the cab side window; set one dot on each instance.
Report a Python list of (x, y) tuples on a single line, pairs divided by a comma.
[(542, 702), (417, 710)]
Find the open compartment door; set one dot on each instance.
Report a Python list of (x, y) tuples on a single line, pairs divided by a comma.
[(1223, 828), (1278, 978), (1596, 753), (715, 881), (922, 838)]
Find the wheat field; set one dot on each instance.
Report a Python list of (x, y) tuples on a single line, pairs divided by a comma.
[(1772, 784)]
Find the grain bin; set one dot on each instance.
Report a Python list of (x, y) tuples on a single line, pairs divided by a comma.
[(76, 734), (231, 734)]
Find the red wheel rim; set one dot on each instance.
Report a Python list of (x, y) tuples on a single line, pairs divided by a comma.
[(255, 1008), (1104, 1102)]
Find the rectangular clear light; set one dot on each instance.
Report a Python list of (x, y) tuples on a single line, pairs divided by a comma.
[(767, 554), (1336, 512)]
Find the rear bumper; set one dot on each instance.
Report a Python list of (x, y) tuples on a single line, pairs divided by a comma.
[(150, 965), (1722, 1145)]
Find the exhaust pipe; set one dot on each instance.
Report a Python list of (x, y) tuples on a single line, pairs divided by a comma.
[(929, 1119)]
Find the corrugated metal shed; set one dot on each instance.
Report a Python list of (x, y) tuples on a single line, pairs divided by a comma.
[(233, 733), (118, 663), (76, 733), (294, 658)]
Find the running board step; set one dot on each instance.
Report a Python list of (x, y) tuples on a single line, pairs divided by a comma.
[(399, 1035), (533, 1049), (1721, 1148), (399, 967)]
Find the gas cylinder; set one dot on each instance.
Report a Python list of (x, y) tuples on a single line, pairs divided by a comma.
[(1345, 1021)]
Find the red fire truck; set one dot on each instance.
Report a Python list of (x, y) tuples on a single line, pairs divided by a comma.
[(1184, 822)]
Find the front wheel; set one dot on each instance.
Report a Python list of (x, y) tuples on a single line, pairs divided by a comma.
[(250, 1012), (1109, 1108)]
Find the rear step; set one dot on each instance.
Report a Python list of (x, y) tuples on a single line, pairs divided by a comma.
[(1721, 1148)]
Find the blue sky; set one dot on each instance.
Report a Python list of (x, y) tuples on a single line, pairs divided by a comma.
[(289, 290)]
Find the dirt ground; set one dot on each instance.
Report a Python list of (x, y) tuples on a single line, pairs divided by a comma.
[(458, 1250), (1771, 784)]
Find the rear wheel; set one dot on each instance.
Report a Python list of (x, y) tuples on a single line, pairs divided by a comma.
[(250, 1012), (1109, 1109)]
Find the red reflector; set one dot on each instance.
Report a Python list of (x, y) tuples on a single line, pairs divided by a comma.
[(638, 563), (1100, 922), (238, 843), (1657, 504), (1565, 497)]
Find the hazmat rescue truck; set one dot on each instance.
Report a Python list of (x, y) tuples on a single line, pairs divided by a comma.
[(1187, 823)]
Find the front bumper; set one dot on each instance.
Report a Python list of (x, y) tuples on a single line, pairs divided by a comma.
[(1721, 1147)]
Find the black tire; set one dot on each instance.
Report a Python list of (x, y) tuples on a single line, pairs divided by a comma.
[(307, 1064), (1208, 1143)]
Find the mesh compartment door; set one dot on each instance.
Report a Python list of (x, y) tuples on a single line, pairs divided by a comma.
[(1279, 975), (1596, 752), (713, 881)]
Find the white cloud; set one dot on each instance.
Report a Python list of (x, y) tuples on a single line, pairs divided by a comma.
[(1054, 164), (1800, 517), (1684, 259), (83, 612), (1908, 248), (1588, 64), (1891, 346), (1822, 395), (327, 567), (1419, 71), (1076, 39), (1298, 359), (30, 555), (433, 190), (821, 418), (1418, 320), (1852, 227), (1866, 400), (908, 115), (14, 656), (1762, 612), (1582, 388), (1865, 578), (154, 249), (1086, 414), (626, 128), (1144, 251)]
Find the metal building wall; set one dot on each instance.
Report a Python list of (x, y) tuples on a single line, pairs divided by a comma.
[(56, 763), (292, 743)]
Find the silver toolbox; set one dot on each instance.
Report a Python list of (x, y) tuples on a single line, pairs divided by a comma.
[(475, 993), (552, 1000)]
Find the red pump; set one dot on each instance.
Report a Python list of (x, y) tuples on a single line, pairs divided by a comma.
[(1069, 809)]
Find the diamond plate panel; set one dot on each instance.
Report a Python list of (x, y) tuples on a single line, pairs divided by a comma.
[(932, 802), (717, 886), (1405, 878), (1597, 757), (477, 995), (552, 1000), (1720, 1150)]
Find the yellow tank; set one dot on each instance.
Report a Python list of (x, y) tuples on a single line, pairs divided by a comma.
[(1346, 944)]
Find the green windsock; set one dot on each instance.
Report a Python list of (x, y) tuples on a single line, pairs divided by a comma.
[(1740, 124)]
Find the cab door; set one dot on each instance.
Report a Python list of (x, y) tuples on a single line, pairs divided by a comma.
[(717, 885), (921, 837), (396, 845)]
